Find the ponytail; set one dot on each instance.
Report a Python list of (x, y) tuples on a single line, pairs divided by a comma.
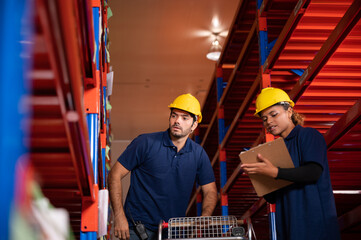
[(297, 119)]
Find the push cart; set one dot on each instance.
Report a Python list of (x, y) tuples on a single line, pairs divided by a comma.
[(210, 228)]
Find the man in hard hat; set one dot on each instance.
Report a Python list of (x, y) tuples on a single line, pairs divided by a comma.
[(164, 167)]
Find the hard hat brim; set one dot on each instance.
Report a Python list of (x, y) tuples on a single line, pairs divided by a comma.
[(256, 114)]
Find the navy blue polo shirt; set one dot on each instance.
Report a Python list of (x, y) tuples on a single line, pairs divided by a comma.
[(307, 211), (162, 179)]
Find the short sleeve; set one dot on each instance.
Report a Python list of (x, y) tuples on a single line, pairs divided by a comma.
[(314, 148), (205, 172), (132, 156)]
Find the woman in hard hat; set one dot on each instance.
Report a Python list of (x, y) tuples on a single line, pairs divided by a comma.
[(305, 209), (164, 167)]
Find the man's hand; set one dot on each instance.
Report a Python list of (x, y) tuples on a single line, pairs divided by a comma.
[(121, 227), (263, 166)]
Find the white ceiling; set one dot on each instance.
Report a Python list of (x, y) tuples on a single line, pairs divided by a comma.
[(157, 52)]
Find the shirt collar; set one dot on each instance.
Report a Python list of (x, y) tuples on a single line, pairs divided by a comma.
[(168, 142), (294, 132)]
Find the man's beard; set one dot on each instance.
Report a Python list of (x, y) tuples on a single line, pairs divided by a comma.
[(179, 135)]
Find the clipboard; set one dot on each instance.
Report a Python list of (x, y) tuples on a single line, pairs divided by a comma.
[(276, 152)]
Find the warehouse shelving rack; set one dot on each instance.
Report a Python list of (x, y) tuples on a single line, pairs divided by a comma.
[(312, 50), (13, 46), (69, 125)]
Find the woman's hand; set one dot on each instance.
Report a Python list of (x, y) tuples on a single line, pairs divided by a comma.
[(263, 166)]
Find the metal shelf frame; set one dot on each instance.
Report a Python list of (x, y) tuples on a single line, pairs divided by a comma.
[(70, 123), (314, 54)]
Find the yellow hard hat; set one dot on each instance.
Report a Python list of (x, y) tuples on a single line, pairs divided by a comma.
[(269, 97), (188, 103)]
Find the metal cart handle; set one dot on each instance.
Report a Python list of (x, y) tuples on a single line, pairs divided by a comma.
[(161, 225)]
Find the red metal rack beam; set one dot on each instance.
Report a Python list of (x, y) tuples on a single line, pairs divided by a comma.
[(208, 126), (86, 36), (227, 40), (80, 137), (263, 8), (65, 63), (343, 28), (246, 45), (285, 35), (252, 92), (344, 124), (214, 117), (193, 200), (51, 29), (240, 61), (337, 36), (254, 209), (215, 158), (232, 179)]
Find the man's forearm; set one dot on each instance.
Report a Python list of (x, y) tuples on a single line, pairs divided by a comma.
[(116, 192), (121, 226), (210, 199)]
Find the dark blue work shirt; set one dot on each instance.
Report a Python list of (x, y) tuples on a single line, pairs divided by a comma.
[(162, 179), (307, 211)]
